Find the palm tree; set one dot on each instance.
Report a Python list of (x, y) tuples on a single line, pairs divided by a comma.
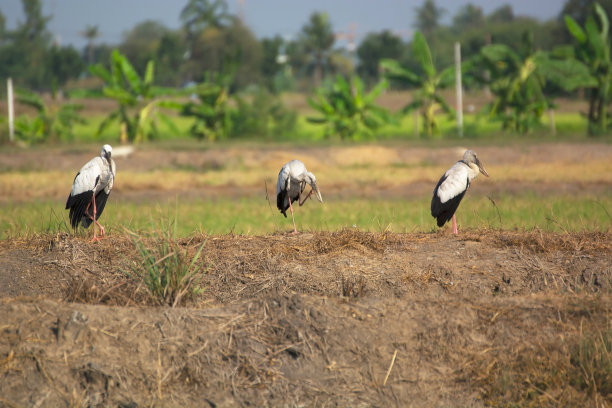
[(428, 17), (90, 33), (317, 36), (200, 14)]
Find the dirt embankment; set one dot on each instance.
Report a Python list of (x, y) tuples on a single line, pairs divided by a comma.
[(345, 318)]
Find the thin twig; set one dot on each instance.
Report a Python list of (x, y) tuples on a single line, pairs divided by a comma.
[(390, 368)]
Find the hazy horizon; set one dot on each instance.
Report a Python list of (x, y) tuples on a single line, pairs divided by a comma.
[(266, 18)]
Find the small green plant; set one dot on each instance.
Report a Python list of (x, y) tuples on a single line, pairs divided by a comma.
[(347, 110), (170, 276), (53, 121)]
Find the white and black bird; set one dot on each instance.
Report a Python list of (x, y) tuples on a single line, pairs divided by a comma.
[(292, 180), (452, 187), (90, 190)]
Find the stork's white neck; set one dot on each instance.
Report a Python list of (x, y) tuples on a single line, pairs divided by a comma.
[(473, 171)]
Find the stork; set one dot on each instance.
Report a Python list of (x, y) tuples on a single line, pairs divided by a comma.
[(292, 180), (452, 187), (90, 190)]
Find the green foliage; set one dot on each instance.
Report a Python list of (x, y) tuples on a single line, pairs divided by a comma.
[(137, 98), (374, 48), (428, 16), (200, 14), (469, 16), (211, 111), (30, 58), (593, 48), (265, 115), (213, 37), (53, 122), (517, 79), (317, 38), (141, 42), (427, 96), (169, 274), (347, 110)]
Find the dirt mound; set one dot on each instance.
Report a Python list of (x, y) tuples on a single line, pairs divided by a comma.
[(338, 318)]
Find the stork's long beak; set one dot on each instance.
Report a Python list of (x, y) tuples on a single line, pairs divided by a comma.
[(317, 192), (481, 168)]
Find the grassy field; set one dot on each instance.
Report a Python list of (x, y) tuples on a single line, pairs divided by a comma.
[(369, 304), (567, 125), (379, 187), (248, 215)]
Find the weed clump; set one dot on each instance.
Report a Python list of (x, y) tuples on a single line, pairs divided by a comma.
[(169, 274)]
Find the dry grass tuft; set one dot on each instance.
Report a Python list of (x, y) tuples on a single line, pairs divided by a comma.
[(117, 291), (545, 242), (353, 287)]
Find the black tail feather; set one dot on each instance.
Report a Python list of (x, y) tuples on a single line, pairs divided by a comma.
[(443, 212), (78, 205), (280, 202)]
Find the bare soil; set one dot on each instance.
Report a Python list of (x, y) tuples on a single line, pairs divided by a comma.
[(343, 318)]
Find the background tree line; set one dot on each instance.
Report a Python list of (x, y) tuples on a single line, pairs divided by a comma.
[(211, 39)]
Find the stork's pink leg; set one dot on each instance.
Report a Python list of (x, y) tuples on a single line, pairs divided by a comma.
[(454, 225), (95, 238), (292, 217)]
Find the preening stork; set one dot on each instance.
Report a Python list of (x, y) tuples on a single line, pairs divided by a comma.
[(292, 180), (452, 187), (90, 190)]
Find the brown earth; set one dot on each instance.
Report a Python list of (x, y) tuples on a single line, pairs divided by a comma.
[(343, 318)]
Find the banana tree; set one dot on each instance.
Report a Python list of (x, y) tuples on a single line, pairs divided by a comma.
[(137, 97), (53, 121), (593, 49), (210, 108), (517, 79), (347, 110), (427, 96)]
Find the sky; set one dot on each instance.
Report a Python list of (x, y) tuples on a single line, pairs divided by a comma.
[(266, 18)]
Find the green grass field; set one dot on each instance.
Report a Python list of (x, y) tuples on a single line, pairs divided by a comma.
[(25, 211), (567, 125), (255, 216)]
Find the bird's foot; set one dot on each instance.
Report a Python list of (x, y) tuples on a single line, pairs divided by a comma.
[(294, 232), (96, 239)]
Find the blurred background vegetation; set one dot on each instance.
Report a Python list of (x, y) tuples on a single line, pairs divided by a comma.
[(214, 80)]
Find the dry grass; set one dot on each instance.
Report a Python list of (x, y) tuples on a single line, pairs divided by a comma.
[(540, 241), (318, 318), (34, 175), (573, 369)]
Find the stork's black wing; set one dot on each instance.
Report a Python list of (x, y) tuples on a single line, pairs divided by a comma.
[(101, 198), (443, 212), (281, 198)]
